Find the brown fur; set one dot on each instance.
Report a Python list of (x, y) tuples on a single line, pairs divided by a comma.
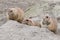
[(51, 23), (16, 14), (31, 23)]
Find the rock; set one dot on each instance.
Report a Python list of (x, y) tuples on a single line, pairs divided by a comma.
[(13, 30)]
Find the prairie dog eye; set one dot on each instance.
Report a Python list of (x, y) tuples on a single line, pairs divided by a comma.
[(27, 20), (47, 17), (10, 11)]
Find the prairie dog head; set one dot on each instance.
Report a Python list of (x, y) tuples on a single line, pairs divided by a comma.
[(12, 13), (28, 22), (46, 20), (16, 14), (31, 22)]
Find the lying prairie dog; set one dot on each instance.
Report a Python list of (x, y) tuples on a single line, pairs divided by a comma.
[(31, 22), (51, 23), (15, 14)]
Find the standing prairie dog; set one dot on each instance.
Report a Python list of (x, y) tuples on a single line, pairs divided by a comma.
[(16, 14), (31, 22), (51, 23)]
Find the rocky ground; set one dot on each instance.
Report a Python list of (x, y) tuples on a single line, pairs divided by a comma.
[(13, 30), (17, 31)]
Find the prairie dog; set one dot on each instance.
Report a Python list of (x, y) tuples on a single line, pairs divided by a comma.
[(51, 23), (31, 22), (16, 14)]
